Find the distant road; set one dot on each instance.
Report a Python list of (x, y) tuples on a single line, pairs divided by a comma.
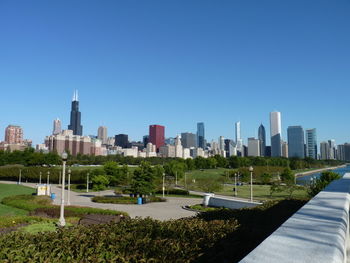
[(318, 170)]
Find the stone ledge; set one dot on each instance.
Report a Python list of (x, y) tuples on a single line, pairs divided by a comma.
[(318, 232)]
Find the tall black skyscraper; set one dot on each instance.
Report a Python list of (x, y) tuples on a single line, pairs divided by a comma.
[(200, 135), (262, 139), (75, 116)]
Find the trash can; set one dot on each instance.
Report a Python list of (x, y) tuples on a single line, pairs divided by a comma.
[(139, 200), (144, 201), (53, 196)]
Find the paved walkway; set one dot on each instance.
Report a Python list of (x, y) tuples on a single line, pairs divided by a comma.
[(172, 209)]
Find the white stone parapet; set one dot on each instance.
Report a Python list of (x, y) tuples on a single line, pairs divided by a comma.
[(318, 232)]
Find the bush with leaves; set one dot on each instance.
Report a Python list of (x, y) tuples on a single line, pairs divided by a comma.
[(100, 182), (320, 183)]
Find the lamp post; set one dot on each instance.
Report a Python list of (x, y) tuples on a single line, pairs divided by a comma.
[(176, 179), (40, 178), (163, 185), (87, 182), (48, 178), (62, 221), (68, 198), (235, 184), (251, 183), (20, 175), (48, 183), (59, 179)]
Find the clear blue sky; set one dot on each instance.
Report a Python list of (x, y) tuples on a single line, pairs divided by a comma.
[(176, 63)]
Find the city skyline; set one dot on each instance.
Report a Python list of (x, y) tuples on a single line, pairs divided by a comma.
[(149, 66)]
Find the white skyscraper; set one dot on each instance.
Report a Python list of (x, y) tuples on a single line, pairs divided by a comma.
[(222, 143), (57, 127), (102, 134), (239, 141), (276, 134), (178, 147)]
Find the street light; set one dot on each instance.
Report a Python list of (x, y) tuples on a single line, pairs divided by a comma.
[(20, 175), (251, 183), (40, 178), (68, 199), (59, 179), (48, 177), (87, 182), (235, 184), (163, 185), (61, 221)]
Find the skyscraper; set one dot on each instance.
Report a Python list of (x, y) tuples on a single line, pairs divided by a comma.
[(296, 141), (332, 149), (122, 140), (188, 140), (102, 134), (276, 136), (145, 140), (239, 141), (311, 143), (262, 139), (253, 147), (324, 150), (157, 135), (200, 135), (13, 134), (57, 127), (75, 117), (222, 143)]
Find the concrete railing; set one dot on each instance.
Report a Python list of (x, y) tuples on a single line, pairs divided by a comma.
[(318, 232), (215, 201)]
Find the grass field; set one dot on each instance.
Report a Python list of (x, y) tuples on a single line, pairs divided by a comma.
[(13, 189), (261, 192)]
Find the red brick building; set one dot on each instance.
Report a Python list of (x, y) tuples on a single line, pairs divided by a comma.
[(156, 135)]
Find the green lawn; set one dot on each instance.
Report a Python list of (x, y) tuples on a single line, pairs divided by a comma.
[(13, 189), (261, 192), (203, 173)]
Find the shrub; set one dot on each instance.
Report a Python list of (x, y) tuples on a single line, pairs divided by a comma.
[(42, 205), (320, 183), (223, 235), (136, 240), (174, 192), (99, 182), (124, 199)]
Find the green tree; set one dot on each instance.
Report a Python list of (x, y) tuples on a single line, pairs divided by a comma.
[(265, 178), (143, 179), (99, 182), (288, 176)]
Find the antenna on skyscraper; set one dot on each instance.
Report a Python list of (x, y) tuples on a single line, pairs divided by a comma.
[(75, 95)]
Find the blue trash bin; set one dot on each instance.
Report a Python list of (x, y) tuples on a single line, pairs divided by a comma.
[(53, 196), (139, 200)]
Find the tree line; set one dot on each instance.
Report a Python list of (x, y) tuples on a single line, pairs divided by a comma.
[(29, 157)]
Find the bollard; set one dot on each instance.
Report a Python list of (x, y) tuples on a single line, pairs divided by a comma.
[(206, 199)]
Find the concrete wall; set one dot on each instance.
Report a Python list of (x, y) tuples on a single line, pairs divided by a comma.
[(214, 201), (318, 232)]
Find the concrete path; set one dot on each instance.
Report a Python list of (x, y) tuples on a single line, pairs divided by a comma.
[(172, 209)]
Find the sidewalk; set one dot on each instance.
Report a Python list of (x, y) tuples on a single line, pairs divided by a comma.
[(172, 209)]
